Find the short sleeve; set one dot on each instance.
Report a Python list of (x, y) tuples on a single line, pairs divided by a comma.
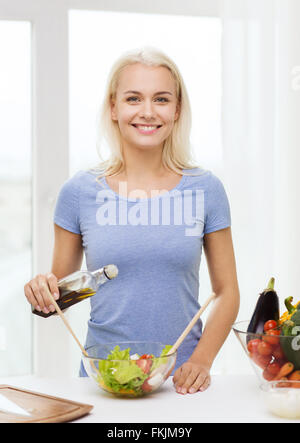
[(217, 209), (66, 212)]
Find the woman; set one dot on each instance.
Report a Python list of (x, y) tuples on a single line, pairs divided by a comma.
[(136, 210)]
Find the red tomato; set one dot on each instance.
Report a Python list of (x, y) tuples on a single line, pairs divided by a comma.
[(264, 348), (273, 368), (144, 364), (146, 387), (278, 353), (270, 324), (261, 360), (272, 337), (253, 344), (146, 356), (267, 375)]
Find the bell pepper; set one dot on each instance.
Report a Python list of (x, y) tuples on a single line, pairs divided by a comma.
[(290, 310), (290, 329)]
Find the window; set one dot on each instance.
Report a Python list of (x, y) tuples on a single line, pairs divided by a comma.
[(15, 197)]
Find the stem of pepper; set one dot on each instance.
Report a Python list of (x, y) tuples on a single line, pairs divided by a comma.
[(288, 303)]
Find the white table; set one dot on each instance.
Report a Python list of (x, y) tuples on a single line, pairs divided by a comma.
[(230, 398)]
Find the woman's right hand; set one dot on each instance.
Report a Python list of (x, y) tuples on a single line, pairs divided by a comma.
[(37, 292)]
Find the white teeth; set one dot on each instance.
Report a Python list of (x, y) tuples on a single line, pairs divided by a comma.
[(147, 128)]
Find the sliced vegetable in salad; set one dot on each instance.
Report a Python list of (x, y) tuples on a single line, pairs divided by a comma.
[(130, 374)]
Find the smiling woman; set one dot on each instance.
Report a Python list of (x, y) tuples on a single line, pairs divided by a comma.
[(158, 263), (148, 135), (146, 105)]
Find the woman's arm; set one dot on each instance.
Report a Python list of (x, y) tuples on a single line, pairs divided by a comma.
[(220, 258), (67, 253), (67, 258)]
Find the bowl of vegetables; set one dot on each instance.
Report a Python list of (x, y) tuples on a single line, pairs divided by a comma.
[(129, 369), (271, 353), (272, 341)]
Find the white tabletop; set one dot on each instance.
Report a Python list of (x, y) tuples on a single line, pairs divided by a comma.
[(230, 398)]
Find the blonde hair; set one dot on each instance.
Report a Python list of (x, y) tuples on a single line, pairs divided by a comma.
[(177, 152)]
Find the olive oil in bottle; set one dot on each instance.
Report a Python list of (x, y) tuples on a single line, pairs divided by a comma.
[(80, 285)]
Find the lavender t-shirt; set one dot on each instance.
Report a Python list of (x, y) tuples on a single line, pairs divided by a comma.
[(156, 243)]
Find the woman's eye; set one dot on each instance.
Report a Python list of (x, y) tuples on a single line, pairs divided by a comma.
[(162, 99), (159, 99), (132, 99)]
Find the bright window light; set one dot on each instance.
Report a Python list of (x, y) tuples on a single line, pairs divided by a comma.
[(98, 38), (15, 197)]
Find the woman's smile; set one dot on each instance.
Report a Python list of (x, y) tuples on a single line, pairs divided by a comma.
[(146, 129)]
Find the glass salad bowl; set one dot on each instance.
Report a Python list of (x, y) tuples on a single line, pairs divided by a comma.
[(273, 356), (129, 369)]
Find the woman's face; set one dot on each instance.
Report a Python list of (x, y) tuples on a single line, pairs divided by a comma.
[(145, 105)]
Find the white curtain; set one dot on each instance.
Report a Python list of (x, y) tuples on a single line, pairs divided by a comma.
[(261, 141)]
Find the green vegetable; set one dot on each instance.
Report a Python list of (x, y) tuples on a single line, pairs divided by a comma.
[(289, 343), (159, 361), (124, 375)]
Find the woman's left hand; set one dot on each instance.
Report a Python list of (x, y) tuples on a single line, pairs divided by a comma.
[(191, 377)]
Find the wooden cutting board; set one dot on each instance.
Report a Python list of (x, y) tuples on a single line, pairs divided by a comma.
[(43, 408)]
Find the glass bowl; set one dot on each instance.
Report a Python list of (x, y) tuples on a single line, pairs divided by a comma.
[(282, 398), (273, 357), (134, 369)]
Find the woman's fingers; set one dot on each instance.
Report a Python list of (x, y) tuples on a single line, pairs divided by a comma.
[(201, 383), (31, 297), (190, 378), (45, 290), (52, 282), (38, 292)]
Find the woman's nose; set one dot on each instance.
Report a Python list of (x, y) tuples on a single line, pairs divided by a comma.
[(147, 109)]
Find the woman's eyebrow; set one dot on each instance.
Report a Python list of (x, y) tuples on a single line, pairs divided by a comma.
[(157, 93)]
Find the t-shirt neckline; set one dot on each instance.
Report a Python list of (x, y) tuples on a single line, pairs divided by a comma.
[(178, 186)]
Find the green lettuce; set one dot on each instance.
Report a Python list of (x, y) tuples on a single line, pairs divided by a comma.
[(125, 374), (159, 361), (120, 374)]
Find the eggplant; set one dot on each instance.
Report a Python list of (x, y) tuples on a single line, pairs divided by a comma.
[(267, 308)]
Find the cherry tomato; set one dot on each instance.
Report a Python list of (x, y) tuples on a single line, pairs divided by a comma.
[(270, 324), (267, 375), (278, 352), (144, 364), (146, 356), (261, 360), (273, 368), (264, 348), (252, 345), (272, 337)]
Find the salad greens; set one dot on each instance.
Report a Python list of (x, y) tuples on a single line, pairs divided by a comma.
[(120, 374)]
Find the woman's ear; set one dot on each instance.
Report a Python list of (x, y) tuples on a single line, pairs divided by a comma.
[(177, 112)]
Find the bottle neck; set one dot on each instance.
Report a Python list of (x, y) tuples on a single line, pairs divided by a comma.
[(100, 276)]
